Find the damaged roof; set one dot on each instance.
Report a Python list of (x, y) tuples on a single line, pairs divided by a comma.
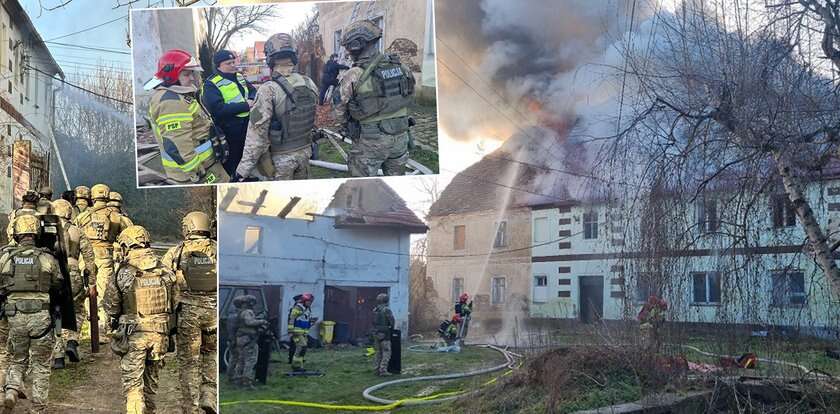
[(372, 203)]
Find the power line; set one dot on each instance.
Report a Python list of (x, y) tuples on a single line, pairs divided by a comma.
[(81, 88), (83, 47), (85, 30)]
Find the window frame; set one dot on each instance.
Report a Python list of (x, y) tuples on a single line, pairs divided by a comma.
[(707, 223), (501, 229), (494, 290), (543, 287), (256, 248), (541, 223), (457, 294), (786, 301), (782, 212), (590, 227), (707, 288), (463, 244), (652, 288)]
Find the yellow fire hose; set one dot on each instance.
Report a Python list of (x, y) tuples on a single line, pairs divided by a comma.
[(510, 363)]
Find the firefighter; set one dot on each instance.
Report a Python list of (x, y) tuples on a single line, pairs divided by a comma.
[(376, 94), (194, 263), (448, 330), (383, 323), (247, 333), (29, 273), (282, 119), (74, 245), (228, 96), (300, 321), (188, 140), (464, 310), (101, 225), (140, 302)]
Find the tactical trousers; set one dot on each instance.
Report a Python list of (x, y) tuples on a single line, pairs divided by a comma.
[(301, 342), (4, 351), (233, 362), (31, 343), (103, 254), (371, 152), (196, 355), (292, 165), (248, 353), (68, 335), (383, 352), (140, 368)]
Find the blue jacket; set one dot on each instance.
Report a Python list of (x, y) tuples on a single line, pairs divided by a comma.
[(223, 113)]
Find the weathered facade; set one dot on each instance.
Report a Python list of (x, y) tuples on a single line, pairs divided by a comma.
[(28, 83)]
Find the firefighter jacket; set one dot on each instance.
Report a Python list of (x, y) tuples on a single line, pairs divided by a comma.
[(194, 263), (27, 273), (300, 319), (183, 130), (142, 293)]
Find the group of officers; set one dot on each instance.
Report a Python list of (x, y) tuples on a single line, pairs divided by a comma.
[(225, 130), (148, 304)]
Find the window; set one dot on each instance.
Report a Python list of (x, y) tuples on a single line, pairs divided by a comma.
[(337, 42), (706, 287), (788, 288), (784, 214), (540, 229), (460, 241), (457, 288), (497, 291), (647, 285), (590, 225), (501, 234), (253, 242), (380, 44), (707, 216), (540, 289)]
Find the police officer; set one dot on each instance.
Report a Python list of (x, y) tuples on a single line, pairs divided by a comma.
[(44, 203), (140, 300), (82, 198), (194, 263), (247, 332), (376, 94), (28, 206), (115, 201), (300, 320), (383, 323), (228, 96), (188, 141), (232, 327), (282, 118), (74, 244), (29, 273), (101, 225)]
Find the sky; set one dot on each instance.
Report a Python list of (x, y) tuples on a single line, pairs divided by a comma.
[(289, 17)]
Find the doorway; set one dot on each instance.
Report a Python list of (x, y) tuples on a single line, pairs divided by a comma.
[(591, 298)]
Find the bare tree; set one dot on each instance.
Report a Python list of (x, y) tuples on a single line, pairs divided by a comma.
[(224, 22), (805, 18)]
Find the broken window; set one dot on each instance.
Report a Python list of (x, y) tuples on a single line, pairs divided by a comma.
[(784, 215), (501, 234), (788, 288), (253, 240), (497, 291), (540, 289), (707, 216), (540, 229), (706, 287), (647, 285), (457, 288), (460, 241), (590, 225)]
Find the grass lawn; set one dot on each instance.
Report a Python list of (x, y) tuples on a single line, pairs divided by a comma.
[(348, 372), (327, 152)]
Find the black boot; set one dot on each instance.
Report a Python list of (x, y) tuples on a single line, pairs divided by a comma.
[(58, 363), (72, 351)]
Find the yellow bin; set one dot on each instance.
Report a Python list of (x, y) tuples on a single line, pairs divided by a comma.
[(327, 331)]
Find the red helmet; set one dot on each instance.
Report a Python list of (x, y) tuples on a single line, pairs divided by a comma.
[(456, 318), (170, 65), (307, 297), (464, 298)]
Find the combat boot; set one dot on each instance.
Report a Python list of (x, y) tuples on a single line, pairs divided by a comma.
[(10, 399), (72, 350), (58, 363), (208, 405)]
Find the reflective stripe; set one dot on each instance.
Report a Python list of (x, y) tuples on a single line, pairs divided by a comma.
[(176, 117), (230, 91), (202, 153)]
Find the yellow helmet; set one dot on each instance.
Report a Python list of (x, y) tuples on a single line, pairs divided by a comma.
[(27, 224), (134, 236), (82, 192), (195, 221), (62, 208), (100, 192)]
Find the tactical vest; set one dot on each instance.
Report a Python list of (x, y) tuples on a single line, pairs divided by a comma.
[(148, 296), (199, 271), (291, 126), (384, 91), (380, 319), (27, 273), (71, 239), (230, 90), (302, 321), (241, 327), (98, 224)]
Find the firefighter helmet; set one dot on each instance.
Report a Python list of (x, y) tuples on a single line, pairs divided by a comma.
[(456, 318), (194, 222), (172, 63), (307, 297), (82, 192), (464, 298), (382, 298), (26, 224), (100, 192), (134, 236), (62, 208), (359, 34)]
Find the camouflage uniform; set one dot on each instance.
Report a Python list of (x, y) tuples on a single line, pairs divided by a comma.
[(82, 200), (183, 129), (247, 333), (142, 297), (115, 201), (376, 94), (101, 225), (383, 323), (31, 272), (194, 263), (75, 244), (234, 350)]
